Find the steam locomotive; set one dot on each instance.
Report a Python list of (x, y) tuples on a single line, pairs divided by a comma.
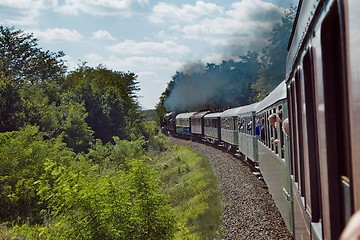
[(313, 172)]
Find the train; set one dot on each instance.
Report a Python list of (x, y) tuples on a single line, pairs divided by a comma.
[(312, 172)]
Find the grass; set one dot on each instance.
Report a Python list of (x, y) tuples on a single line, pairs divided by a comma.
[(193, 189)]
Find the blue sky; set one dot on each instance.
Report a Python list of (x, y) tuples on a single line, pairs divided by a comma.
[(152, 39)]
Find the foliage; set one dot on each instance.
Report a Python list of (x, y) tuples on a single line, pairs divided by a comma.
[(149, 115), (189, 180), (11, 107), (90, 203), (109, 193), (24, 62), (21, 163), (67, 118), (109, 98), (274, 56)]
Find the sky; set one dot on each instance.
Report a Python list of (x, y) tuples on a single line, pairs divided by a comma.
[(150, 38)]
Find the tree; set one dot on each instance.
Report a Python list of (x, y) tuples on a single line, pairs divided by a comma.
[(110, 100), (24, 62), (11, 107), (274, 56)]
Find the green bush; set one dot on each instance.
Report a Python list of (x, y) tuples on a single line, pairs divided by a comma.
[(23, 154), (89, 204)]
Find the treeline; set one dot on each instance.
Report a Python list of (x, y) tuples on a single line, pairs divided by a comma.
[(73, 161), (231, 83)]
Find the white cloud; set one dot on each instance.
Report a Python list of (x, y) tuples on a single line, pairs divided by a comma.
[(98, 7), (94, 58), (21, 12), (23, 4), (138, 61), (165, 35), (132, 47), (163, 12), (246, 21), (255, 10), (147, 74), (57, 34), (102, 35)]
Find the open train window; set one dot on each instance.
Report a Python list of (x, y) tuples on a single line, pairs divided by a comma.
[(299, 134), (291, 125), (336, 117), (262, 134), (271, 131), (281, 133), (312, 187)]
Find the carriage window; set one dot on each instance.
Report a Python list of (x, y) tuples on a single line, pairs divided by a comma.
[(281, 133), (234, 124), (249, 124), (273, 133), (267, 132), (312, 164), (292, 124), (214, 123), (299, 136), (241, 124)]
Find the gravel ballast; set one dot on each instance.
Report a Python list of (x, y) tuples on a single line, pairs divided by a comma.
[(248, 209)]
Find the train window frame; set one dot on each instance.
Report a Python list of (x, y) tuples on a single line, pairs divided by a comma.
[(261, 116), (299, 136), (312, 174), (294, 130)]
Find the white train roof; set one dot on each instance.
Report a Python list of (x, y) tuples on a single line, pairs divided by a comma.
[(248, 108), (185, 115), (213, 115), (279, 93), (232, 112)]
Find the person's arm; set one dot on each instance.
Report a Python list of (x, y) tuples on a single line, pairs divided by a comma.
[(352, 229)]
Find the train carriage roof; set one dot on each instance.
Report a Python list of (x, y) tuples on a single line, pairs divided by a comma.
[(232, 112), (199, 114), (248, 108), (213, 115), (185, 115), (279, 93)]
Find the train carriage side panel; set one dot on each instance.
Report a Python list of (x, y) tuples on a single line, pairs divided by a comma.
[(247, 132), (197, 123), (183, 124), (229, 127), (212, 128)]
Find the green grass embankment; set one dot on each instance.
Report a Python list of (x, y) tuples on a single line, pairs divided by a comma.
[(193, 189)]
